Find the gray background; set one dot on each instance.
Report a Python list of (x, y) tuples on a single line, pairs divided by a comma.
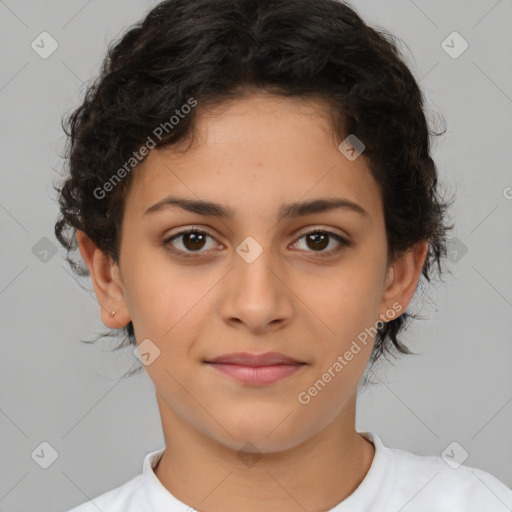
[(69, 394)]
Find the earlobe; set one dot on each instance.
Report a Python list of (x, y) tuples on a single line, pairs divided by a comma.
[(106, 282), (403, 277)]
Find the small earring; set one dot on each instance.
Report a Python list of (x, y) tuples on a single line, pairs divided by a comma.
[(113, 313)]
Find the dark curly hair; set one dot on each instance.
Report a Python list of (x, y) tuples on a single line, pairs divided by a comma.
[(212, 51)]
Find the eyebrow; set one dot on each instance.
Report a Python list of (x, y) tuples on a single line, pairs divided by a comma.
[(291, 210)]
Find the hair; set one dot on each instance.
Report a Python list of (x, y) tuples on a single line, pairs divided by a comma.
[(215, 51)]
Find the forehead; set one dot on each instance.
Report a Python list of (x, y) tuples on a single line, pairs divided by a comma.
[(258, 152)]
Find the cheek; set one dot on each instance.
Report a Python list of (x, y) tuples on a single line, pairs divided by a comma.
[(157, 293), (171, 309), (346, 302)]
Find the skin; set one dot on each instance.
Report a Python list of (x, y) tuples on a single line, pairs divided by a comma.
[(254, 155)]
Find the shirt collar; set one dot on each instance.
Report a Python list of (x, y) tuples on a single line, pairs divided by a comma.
[(160, 499), (374, 486)]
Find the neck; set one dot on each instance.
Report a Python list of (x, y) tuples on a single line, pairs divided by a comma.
[(314, 475)]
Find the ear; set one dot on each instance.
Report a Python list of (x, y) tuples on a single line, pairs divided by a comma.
[(402, 279), (107, 283)]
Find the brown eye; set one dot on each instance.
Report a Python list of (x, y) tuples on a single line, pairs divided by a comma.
[(192, 241), (318, 240)]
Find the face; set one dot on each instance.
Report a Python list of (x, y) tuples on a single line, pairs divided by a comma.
[(255, 281)]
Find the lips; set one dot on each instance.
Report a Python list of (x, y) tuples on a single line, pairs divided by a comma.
[(256, 369), (255, 360)]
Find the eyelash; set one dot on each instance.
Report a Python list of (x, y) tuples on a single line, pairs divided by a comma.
[(340, 239)]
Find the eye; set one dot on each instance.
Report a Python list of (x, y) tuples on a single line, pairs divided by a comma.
[(318, 239), (193, 240)]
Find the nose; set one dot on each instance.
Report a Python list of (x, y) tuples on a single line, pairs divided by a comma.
[(257, 294)]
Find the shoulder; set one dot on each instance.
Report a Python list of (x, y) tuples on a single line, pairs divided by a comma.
[(127, 497), (430, 483)]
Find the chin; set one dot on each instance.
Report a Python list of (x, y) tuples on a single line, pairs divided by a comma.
[(261, 437)]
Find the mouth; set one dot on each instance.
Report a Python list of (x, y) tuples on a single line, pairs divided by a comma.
[(248, 359), (257, 375), (256, 369)]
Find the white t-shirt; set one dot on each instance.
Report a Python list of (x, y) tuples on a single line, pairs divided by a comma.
[(397, 480)]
